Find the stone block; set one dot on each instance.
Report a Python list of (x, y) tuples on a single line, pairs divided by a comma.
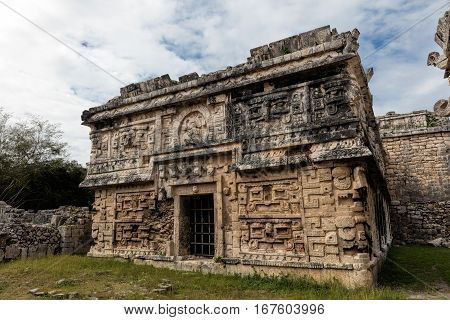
[(51, 250), (65, 231), (41, 250), (78, 232), (170, 248), (24, 252), (12, 252), (228, 237), (345, 222), (55, 220)]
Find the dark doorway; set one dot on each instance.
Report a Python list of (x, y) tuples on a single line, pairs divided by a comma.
[(200, 213)]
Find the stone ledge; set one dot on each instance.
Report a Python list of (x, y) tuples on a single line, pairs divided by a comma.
[(160, 258), (419, 131), (113, 178), (309, 265), (413, 123), (347, 277)]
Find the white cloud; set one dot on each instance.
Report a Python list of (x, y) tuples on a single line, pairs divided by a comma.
[(136, 40)]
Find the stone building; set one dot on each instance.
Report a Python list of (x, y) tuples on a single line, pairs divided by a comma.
[(273, 166)]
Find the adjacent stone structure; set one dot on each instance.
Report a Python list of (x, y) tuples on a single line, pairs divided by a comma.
[(46, 232), (418, 151), (417, 147), (271, 166)]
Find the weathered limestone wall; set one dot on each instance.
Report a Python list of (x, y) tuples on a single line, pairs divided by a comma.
[(317, 217), (286, 146), (130, 221), (46, 232), (417, 146)]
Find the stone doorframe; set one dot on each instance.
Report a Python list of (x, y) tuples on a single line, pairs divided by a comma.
[(214, 188)]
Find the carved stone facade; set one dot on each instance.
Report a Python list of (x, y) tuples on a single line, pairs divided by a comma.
[(285, 147)]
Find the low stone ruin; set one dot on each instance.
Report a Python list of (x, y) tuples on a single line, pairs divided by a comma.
[(24, 233)]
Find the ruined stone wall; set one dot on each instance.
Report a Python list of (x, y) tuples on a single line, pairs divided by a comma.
[(417, 147), (27, 240), (24, 234)]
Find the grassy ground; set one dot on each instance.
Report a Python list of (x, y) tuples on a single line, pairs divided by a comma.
[(421, 272), (112, 279)]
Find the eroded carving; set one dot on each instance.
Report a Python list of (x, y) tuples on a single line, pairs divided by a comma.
[(270, 198), (193, 129), (272, 236)]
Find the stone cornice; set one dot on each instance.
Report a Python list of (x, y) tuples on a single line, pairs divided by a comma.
[(331, 48)]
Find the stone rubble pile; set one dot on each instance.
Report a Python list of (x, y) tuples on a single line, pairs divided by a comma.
[(24, 233), (163, 287), (55, 294)]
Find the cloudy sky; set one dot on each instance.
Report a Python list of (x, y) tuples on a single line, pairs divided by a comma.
[(137, 40)]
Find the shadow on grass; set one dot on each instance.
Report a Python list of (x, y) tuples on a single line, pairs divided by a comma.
[(417, 268)]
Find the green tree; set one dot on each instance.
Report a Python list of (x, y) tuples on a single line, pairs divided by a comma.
[(34, 170)]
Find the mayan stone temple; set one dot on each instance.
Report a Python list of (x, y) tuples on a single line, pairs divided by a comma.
[(272, 166)]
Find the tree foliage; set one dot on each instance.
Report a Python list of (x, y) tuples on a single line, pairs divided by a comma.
[(34, 170)]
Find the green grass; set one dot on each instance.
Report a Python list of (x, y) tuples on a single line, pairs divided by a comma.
[(112, 279), (417, 268)]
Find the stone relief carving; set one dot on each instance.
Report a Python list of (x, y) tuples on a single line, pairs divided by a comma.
[(442, 108), (295, 219), (341, 178), (318, 195), (269, 198), (188, 168), (272, 236), (193, 129), (288, 117), (100, 146), (133, 206), (131, 220), (166, 132), (328, 99), (270, 112), (118, 149)]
